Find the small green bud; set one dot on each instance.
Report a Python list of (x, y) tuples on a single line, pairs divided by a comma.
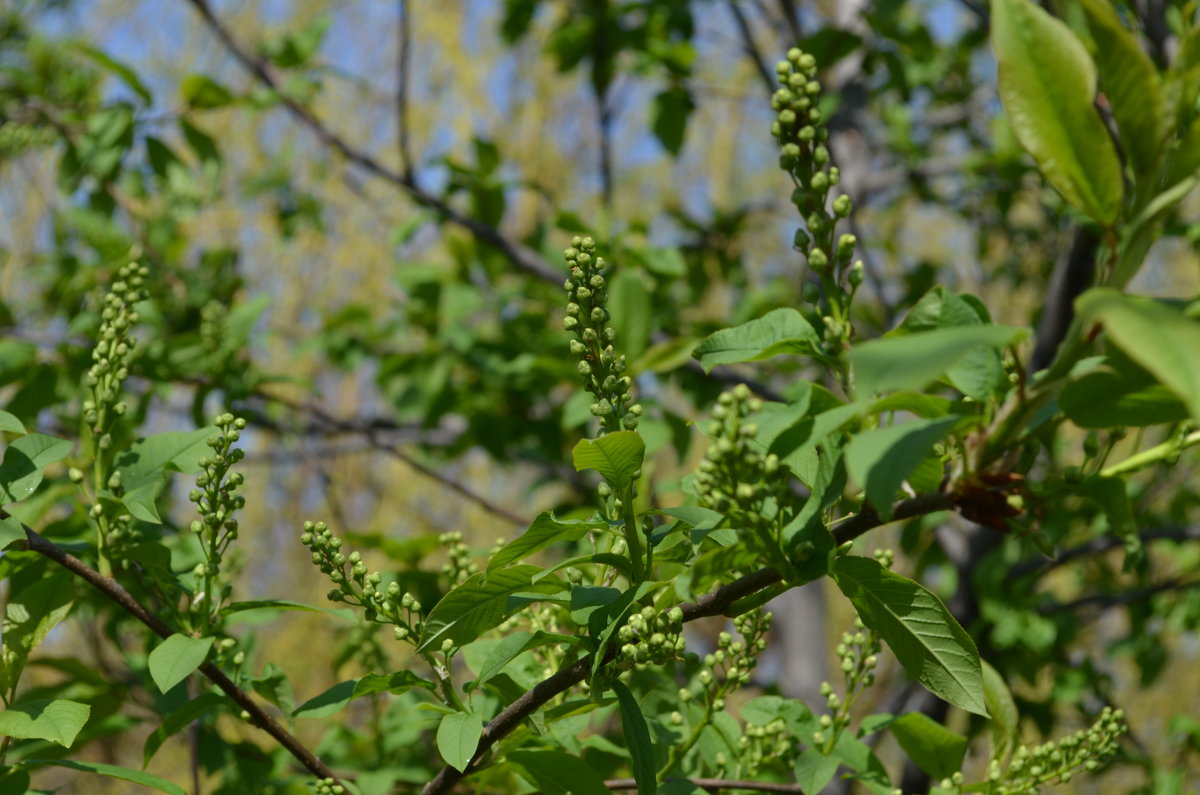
[(856, 274), (817, 260), (842, 206)]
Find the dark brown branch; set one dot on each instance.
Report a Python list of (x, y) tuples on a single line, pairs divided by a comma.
[(448, 482), (791, 17), (751, 46), (403, 64), (1096, 546), (371, 429), (868, 519), (713, 603), (113, 590), (522, 256), (1104, 601), (714, 785)]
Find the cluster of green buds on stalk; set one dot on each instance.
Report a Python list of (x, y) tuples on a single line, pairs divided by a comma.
[(651, 637), (356, 585), (724, 670), (858, 654), (598, 363), (1033, 767), (803, 136), (740, 481), (102, 408), (217, 500)]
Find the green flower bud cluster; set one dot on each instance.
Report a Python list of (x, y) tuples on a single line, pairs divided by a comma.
[(802, 135), (113, 352), (223, 652), (734, 478), (326, 786), (858, 653), (356, 585), (598, 363), (16, 137), (651, 637), (217, 501), (212, 325), (732, 664), (1033, 767), (460, 566), (766, 744)]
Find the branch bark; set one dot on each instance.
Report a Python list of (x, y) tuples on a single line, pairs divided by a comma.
[(713, 603), (113, 590)]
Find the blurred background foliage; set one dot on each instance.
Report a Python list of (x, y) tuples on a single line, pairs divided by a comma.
[(353, 213)]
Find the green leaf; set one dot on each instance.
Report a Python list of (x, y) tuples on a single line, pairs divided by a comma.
[(10, 424), (478, 605), (1119, 393), (934, 748), (458, 737), (1142, 231), (1155, 336), (1006, 722), (779, 331), (882, 458), (273, 685), (201, 91), (203, 145), (282, 604), (637, 736), (126, 74), (328, 702), (514, 645), (111, 771), (632, 313), (814, 770), (617, 456), (669, 117), (978, 374), (1132, 85), (29, 615), (179, 720), (295, 49), (57, 721), (912, 361), (24, 460), (925, 638), (1047, 83), (143, 467), (175, 658), (10, 530), (142, 502), (395, 683), (1110, 494), (147, 458), (544, 531), (858, 756), (558, 773)]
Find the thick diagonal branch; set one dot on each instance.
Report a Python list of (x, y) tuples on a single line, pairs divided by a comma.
[(113, 590), (713, 603)]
